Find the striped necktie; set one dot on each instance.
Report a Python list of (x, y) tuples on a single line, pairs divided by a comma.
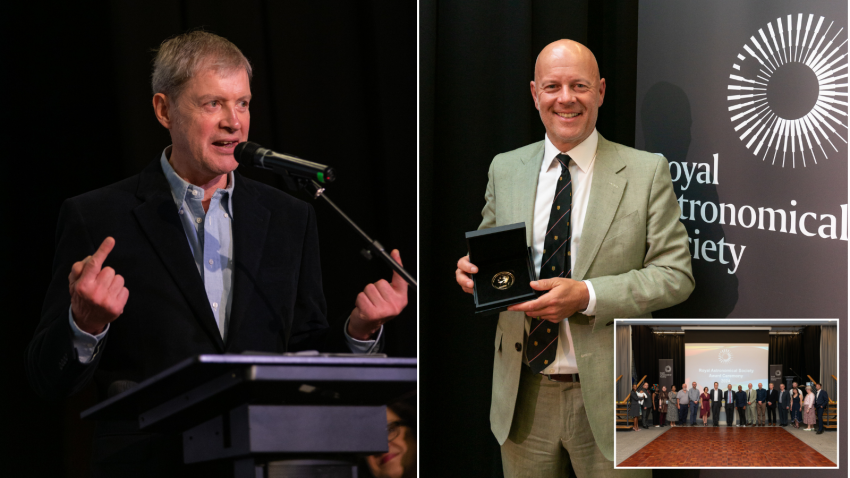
[(542, 345)]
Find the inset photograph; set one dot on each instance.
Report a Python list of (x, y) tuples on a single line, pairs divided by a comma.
[(726, 393)]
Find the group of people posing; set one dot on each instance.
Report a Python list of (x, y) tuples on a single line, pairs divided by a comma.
[(752, 405)]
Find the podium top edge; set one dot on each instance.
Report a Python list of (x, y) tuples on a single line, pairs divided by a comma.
[(341, 360), (211, 365)]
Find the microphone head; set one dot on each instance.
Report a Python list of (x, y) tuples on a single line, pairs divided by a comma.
[(245, 153)]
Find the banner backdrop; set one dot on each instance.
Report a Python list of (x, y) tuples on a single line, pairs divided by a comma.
[(665, 372), (776, 375), (748, 102)]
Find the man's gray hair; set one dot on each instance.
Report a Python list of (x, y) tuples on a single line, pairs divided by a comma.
[(183, 57)]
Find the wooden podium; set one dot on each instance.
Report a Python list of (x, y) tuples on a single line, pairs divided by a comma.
[(268, 416)]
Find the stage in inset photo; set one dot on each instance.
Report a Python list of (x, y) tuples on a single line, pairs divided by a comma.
[(726, 393)]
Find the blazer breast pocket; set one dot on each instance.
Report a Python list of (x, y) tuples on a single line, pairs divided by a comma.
[(620, 243), (622, 225)]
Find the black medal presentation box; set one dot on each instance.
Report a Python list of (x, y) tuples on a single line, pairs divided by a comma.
[(270, 415), (505, 267)]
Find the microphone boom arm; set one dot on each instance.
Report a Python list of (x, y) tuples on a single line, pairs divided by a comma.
[(375, 247)]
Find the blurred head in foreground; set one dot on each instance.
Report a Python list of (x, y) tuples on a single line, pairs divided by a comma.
[(400, 459)]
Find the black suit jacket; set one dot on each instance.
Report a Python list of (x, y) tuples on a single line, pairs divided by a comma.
[(711, 396), (772, 397), (278, 303), (822, 399), (726, 397), (784, 398)]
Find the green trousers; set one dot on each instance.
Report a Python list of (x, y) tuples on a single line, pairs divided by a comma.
[(550, 431)]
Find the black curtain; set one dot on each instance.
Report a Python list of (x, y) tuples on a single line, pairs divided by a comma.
[(334, 82), (476, 62), (811, 353), (648, 348), (786, 350)]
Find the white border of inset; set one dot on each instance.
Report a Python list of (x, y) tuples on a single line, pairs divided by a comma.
[(735, 323)]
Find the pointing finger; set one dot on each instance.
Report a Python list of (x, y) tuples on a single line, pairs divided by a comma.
[(92, 267), (398, 283), (103, 251)]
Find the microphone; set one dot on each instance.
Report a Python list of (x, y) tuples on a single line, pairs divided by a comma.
[(252, 154)]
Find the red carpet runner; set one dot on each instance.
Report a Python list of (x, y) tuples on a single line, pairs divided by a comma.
[(726, 446)]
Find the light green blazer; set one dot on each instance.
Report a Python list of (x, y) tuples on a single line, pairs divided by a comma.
[(633, 250)]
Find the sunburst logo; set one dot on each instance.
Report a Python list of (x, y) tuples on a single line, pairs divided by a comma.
[(778, 373), (790, 91), (668, 369), (725, 356)]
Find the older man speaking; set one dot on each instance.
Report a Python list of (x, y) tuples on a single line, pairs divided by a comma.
[(186, 258)]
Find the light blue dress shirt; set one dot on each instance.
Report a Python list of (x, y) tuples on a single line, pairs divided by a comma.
[(210, 236)]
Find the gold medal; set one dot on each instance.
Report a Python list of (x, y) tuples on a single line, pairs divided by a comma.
[(503, 280)]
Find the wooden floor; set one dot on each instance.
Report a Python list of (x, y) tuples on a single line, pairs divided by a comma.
[(726, 446)]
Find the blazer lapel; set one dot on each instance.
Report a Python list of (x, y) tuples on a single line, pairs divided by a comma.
[(606, 190), (250, 226), (525, 188), (158, 218)]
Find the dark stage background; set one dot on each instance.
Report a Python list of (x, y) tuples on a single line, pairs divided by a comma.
[(476, 62), (334, 82)]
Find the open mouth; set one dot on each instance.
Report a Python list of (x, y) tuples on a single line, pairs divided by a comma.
[(225, 144), (568, 115)]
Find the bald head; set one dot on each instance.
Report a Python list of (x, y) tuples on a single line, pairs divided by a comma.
[(566, 48), (568, 92)]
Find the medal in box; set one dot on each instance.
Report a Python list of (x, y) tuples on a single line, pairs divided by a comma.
[(505, 267)]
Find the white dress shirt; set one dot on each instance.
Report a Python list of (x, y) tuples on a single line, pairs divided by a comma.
[(581, 172), (214, 260), (717, 394)]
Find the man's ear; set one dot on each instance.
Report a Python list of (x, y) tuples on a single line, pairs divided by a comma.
[(164, 110), (601, 92), (534, 96)]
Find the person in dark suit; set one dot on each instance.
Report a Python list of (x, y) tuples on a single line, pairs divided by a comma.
[(771, 400), (783, 407), (646, 406), (635, 412), (821, 402), (196, 259), (716, 396), (729, 405), (796, 406), (741, 405)]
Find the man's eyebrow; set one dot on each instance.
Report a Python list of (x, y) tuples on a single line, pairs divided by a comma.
[(205, 98)]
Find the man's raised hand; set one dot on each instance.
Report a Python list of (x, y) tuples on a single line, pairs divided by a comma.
[(98, 294), (377, 304)]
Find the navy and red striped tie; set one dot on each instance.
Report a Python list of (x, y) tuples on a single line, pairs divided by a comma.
[(542, 345)]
